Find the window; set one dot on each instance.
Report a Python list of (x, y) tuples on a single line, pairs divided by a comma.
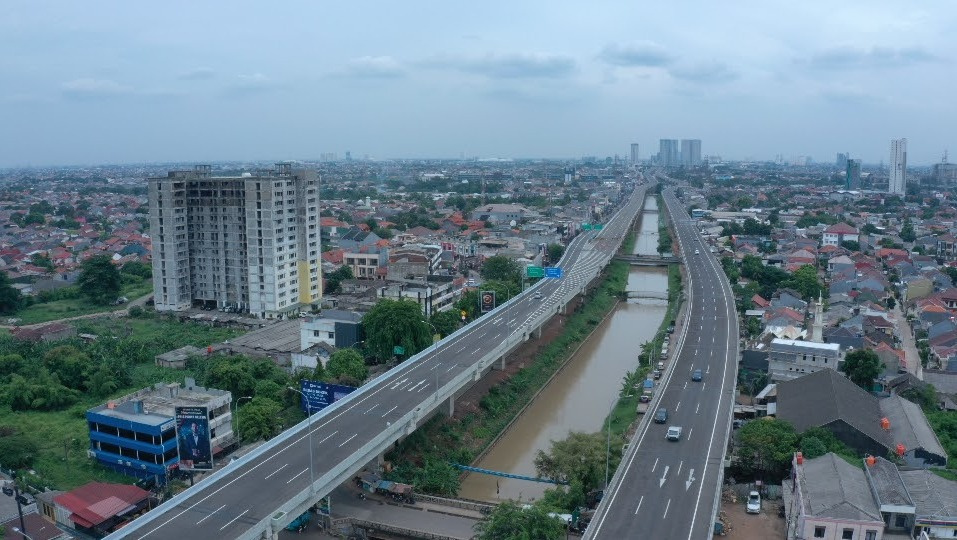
[(900, 521), (819, 532), (872, 535), (847, 534)]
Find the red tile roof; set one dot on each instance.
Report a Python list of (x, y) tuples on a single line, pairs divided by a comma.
[(97, 502), (841, 228)]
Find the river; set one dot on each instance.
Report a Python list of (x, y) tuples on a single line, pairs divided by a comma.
[(580, 397)]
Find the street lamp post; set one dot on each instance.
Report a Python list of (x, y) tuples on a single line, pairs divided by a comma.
[(312, 477), (236, 416)]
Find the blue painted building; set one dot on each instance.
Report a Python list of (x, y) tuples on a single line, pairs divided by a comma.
[(136, 434)]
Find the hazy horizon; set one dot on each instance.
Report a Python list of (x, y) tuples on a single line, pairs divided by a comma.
[(123, 83)]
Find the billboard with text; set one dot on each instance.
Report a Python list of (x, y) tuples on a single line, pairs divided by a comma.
[(321, 394), (193, 438)]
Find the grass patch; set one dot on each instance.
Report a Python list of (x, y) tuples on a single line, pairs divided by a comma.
[(73, 307)]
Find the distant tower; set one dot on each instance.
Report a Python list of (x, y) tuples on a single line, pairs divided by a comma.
[(853, 174), (691, 152), (634, 153), (668, 153), (841, 160), (817, 330), (897, 183)]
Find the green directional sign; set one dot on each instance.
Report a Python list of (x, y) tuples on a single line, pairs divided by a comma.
[(534, 271), (586, 226), (398, 349), (598, 227)]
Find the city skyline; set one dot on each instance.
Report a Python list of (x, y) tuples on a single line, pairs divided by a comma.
[(196, 84)]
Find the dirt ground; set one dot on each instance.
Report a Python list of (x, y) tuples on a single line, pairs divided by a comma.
[(764, 526)]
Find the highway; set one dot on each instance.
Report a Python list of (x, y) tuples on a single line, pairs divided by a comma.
[(663, 488), (236, 501)]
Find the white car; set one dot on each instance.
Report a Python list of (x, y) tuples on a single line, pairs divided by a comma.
[(754, 503), (696, 252), (674, 433)]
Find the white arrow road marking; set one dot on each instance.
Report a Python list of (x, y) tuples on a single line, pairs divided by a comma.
[(690, 480), (396, 385), (663, 475)]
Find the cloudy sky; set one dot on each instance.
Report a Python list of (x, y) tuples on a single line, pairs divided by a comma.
[(117, 82)]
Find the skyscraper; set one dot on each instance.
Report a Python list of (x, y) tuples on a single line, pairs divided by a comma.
[(691, 152), (841, 160), (668, 152), (897, 183), (634, 153), (853, 174), (247, 242)]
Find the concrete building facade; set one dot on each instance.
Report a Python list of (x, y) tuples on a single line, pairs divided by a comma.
[(789, 359), (249, 242), (897, 182), (691, 152), (668, 153)]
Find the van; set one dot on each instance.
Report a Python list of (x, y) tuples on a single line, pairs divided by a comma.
[(661, 366)]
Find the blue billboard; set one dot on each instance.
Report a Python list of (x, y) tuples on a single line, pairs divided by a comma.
[(321, 394), (553, 272)]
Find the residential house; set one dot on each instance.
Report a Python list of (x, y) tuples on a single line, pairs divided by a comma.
[(909, 428), (98, 508), (832, 500), (839, 233)]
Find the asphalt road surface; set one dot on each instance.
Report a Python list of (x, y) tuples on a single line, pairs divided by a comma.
[(667, 488), (238, 500)]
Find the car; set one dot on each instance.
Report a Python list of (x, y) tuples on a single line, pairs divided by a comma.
[(8, 491), (697, 375), (674, 433), (24, 500), (661, 366), (538, 296), (656, 374), (696, 252), (661, 416), (645, 397), (754, 503)]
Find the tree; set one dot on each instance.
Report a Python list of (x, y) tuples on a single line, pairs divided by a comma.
[(907, 231), (509, 521), (555, 252), (812, 447), (446, 322), (501, 268), (70, 364), (99, 280), (766, 446), (17, 451), (804, 280), (851, 245), (335, 278), (258, 419), (395, 323), (347, 362), (10, 297), (138, 269), (862, 366), (231, 373), (101, 382), (580, 457)]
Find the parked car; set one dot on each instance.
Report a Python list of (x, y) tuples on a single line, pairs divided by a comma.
[(8, 490), (656, 374), (697, 375), (661, 416), (754, 503), (674, 433)]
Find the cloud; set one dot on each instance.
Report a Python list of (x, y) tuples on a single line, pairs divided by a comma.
[(198, 74), (714, 72), (641, 54), (510, 66), (245, 85), (876, 57), (375, 67), (88, 88), (849, 95)]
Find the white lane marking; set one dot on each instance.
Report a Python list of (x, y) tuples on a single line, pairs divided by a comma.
[(347, 440), (685, 386), (476, 351), (636, 508), (667, 506), (696, 408), (390, 410), (327, 437), (450, 369), (274, 472), (234, 519), (434, 367), (678, 405), (370, 408), (703, 385), (655, 466), (211, 514), (690, 479), (424, 386), (680, 465), (297, 476), (663, 477), (416, 385), (689, 433)]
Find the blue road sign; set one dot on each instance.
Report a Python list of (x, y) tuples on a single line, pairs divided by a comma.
[(553, 272)]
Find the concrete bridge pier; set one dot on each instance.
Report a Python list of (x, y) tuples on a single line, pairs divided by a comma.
[(537, 332), (451, 409)]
